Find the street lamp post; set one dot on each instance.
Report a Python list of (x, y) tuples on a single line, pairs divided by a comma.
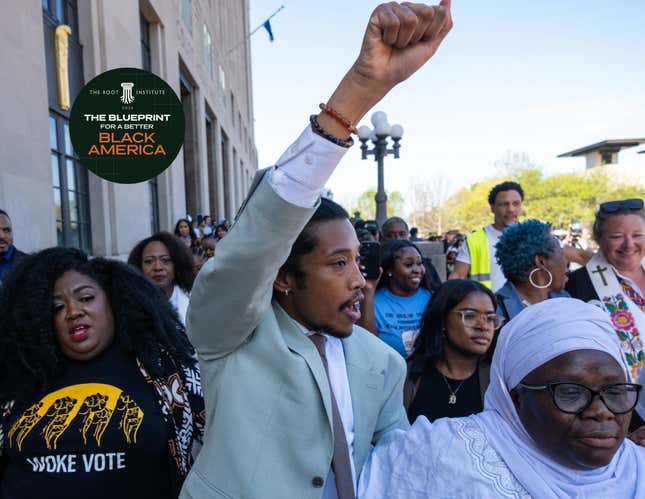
[(379, 135)]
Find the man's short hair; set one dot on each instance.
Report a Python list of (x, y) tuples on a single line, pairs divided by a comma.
[(2, 212), (306, 241), (504, 186)]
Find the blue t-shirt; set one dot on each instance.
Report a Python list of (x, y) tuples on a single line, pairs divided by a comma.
[(396, 315)]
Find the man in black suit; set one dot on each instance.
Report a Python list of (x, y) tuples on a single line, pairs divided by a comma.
[(9, 254)]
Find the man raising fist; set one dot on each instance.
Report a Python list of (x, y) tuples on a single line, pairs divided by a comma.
[(295, 392)]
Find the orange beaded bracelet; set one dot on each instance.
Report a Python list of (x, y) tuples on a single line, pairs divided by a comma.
[(338, 117)]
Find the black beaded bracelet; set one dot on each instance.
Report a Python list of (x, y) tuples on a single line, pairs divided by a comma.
[(321, 131)]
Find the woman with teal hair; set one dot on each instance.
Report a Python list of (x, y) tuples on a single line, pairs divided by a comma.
[(532, 261)]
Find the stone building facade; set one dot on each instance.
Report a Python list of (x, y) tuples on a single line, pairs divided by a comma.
[(199, 47)]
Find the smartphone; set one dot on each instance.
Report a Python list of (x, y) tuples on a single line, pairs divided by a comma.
[(371, 259)]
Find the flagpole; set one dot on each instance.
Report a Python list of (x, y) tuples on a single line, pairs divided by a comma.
[(255, 30)]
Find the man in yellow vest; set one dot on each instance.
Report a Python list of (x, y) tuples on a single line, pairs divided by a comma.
[(476, 258)]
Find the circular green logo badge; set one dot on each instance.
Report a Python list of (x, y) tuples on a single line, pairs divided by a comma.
[(127, 125)]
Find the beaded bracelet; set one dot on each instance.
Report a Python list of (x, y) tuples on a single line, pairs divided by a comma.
[(349, 142), (338, 117)]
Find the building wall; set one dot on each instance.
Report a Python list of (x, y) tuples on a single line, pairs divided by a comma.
[(110, 35), (25, 175)]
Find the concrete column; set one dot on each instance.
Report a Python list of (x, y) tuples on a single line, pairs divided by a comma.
[(219, 171), (228, 161), (202, 174)]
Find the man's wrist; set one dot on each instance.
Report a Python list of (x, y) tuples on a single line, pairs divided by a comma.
[(353, 98)]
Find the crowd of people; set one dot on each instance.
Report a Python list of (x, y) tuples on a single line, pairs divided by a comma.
[(268, 362)]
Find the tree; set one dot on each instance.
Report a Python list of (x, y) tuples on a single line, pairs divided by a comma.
[(367, 206), (558, 199), (428, 198)]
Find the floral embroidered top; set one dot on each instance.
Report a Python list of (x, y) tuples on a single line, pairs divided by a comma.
[(626, 324)]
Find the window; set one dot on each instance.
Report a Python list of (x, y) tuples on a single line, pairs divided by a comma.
[(71, 193), (62, 12), (146, 63), (187, 14), (146, 57), (233, 109), (222, 85), (153, 189), (208, 52)]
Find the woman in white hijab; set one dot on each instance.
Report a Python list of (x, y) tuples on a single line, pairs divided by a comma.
[(555, 418)]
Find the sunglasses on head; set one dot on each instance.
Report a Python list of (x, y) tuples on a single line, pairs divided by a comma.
[(625, 204)]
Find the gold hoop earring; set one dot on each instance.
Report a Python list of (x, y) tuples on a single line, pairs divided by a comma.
[(536, 285)]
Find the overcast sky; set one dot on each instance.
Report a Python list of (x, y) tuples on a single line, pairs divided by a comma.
[(540, 77)]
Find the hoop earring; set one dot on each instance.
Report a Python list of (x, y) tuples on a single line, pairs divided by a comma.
[(535, 285)]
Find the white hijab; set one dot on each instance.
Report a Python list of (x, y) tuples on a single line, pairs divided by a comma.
[(538, 334)]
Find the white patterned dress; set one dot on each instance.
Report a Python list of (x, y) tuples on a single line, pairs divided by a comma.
[(450, 458)]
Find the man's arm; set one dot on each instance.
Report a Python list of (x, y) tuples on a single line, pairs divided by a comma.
[(233, 291), (462, 271), (577, 255), (462, 263)]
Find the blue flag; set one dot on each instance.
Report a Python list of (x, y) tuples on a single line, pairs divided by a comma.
[(267, 26)]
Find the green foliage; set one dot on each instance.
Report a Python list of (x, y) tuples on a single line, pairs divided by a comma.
[(367, 206), (559, 199)]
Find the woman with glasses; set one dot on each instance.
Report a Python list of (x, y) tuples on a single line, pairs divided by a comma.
[(554, 423), (615, 278), (534, 266), (400, 298), (448, 372), (168, 264)]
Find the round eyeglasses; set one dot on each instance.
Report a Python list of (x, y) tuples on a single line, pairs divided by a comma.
[(574, 398), (471, 318)]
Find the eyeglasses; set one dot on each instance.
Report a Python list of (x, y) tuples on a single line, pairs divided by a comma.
[(625, 204), (574, 398), (470, 318)]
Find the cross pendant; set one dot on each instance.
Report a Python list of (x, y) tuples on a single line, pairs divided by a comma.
[(600, 270), (452, 399)]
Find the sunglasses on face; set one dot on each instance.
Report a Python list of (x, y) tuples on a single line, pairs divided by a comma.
[(625, 204), (574, 398)]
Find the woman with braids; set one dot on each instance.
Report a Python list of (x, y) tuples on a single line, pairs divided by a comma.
[(449, 370), (169, 264), (99, 386)]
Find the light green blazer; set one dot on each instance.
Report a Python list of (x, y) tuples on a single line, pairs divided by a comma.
[(268, 406)]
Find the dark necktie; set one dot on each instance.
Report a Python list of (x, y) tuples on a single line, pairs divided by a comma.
[(340, 460)]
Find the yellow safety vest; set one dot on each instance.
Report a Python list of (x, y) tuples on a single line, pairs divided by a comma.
[(479, 260)]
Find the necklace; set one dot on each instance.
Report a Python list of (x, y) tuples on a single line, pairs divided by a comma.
[(452, 399)]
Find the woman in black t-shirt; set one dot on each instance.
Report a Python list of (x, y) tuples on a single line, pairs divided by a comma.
[(99, 386), (448, 371)]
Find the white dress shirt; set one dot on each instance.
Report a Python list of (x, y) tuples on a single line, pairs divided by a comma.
[(299, 177), (179, 301), (302, 171)]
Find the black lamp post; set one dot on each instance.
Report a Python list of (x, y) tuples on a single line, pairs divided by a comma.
[(379, 135)]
